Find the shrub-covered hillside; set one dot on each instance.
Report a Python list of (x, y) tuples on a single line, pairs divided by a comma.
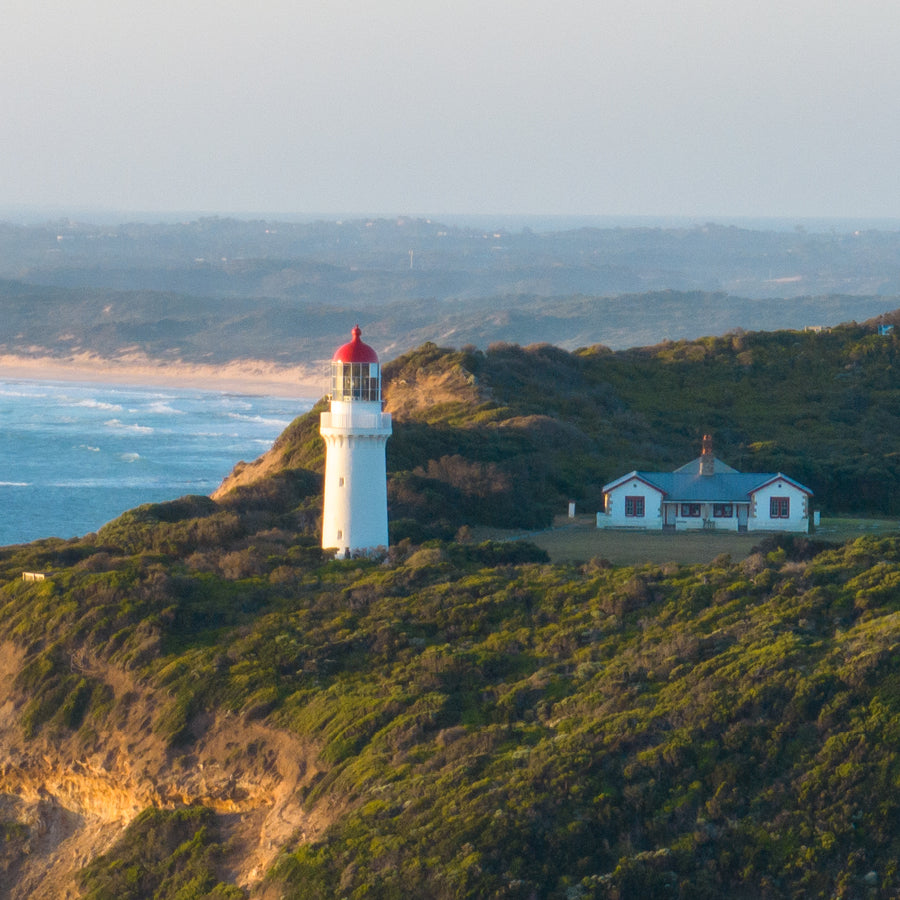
[(454, 721), (506, 437), (199, 703)]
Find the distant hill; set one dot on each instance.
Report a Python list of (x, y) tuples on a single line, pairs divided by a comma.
[(67, 322), (369, 262), (218, 290)]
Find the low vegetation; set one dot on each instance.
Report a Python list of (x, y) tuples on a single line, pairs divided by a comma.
[(162, 854), (495, 725), (484, 722)]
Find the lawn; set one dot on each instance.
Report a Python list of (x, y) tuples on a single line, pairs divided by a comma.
[(580, 539)]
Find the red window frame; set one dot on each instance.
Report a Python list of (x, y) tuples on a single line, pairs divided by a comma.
[(634, 507), (779, 507), (690, 510), (723, 510)]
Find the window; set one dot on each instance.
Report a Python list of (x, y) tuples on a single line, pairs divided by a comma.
[(355, 381), (780, 507), (634, 506), (690, 510), (341, 481), (723, 510)]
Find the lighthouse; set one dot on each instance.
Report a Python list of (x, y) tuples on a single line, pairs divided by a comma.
[(354, 516)]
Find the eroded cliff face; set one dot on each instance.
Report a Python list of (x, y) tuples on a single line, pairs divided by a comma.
[(64, 802), (412, 393)]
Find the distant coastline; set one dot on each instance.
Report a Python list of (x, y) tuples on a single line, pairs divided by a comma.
[(245, 376)]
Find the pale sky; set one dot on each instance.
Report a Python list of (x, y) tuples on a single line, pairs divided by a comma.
[(633, 107)]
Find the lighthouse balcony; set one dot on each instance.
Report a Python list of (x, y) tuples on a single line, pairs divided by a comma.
[(357, 422)]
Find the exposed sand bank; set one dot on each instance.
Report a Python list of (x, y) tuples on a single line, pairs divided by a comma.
[(246, 376)]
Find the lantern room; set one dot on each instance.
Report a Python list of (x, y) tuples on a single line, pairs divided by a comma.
[(355, 372)]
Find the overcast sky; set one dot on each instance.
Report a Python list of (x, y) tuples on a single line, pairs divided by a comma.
[(633, 107)]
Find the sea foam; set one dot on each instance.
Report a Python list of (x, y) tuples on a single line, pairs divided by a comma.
[(67, 465)]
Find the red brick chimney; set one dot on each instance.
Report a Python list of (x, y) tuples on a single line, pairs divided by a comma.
[(707, 459)]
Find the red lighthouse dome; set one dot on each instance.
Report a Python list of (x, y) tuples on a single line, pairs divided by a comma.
[(357, 351)]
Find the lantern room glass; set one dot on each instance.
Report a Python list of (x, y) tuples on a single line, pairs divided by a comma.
[(355, 381)]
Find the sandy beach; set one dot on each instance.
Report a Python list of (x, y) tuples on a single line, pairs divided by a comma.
[(246, 376)]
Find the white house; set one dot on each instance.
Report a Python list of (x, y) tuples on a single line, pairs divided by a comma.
[(706, 494)]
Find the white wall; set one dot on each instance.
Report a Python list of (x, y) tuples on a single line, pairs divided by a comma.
[(615, 511), (760, 520), (354, 515)]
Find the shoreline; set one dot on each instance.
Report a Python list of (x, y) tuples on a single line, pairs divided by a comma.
[(245, 376)]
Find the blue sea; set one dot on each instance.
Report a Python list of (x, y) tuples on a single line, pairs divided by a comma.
[(74, 456)]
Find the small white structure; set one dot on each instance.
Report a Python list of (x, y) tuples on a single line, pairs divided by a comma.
[(354, 517), (706, 494)]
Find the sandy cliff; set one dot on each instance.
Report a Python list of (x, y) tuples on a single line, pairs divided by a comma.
[(75, 797)]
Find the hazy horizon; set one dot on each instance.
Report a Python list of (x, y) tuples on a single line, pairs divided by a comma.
[(34, 216)]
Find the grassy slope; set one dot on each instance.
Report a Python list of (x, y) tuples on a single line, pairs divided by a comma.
[(822, 407), (488, 724)]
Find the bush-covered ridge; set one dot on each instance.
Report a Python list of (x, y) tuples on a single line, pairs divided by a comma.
[(494, 725), (163, 854), (823, 407), (508, 436), (482, 722)]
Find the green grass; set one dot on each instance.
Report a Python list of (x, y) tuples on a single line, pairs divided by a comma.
[(580, 540)]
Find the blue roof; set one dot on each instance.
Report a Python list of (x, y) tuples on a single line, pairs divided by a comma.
[(688, 485), (725, 487)]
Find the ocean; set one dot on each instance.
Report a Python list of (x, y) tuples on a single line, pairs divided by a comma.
[(74, 456)]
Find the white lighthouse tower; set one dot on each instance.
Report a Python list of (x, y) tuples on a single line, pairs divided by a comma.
[(354, 518)]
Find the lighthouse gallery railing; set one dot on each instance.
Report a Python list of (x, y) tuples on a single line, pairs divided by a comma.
[(368, 421)]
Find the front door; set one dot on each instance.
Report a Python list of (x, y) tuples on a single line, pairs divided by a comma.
[(743, 513), (670, 511)]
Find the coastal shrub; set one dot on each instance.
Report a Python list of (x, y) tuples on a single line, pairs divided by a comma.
[(481, 722), (165, 854)]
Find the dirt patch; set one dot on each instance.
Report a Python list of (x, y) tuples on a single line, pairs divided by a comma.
[(422, 392)]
